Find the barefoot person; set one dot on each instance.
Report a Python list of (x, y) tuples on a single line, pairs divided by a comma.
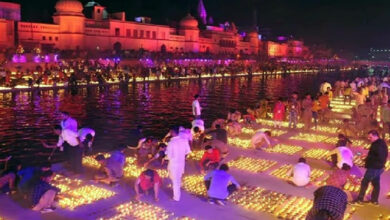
[(261, 139), (149, 180), (300, 173), (220, 185)]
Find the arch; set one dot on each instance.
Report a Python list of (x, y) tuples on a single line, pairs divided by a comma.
[(117, 46), (163, 48)]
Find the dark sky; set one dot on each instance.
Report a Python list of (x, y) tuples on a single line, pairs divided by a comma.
[(340, 24)]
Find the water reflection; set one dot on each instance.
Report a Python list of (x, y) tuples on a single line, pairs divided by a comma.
[(27, 117)]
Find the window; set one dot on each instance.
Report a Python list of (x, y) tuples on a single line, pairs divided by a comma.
[(135, 33), (163, 35), (141, 34), (154, 35), (148, 34), (128, 33), (98, 11), (56, 38), (43, 37), (50, 38), (117, 32)]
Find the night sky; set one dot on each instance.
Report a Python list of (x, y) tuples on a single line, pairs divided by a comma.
[(339, 24)]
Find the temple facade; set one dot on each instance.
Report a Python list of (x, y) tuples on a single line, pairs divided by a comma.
[(91, 27)]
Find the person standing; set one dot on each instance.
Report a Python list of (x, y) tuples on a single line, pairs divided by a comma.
[(307, 114), (385, 118), (279, 111), (294, 109), (196, 109), (68, 122), (177, 150), (375, 162)]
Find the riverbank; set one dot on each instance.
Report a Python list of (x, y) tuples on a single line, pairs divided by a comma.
[(155, 79)]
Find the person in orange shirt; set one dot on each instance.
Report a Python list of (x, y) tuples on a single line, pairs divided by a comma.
[(324, 103), (316, 110)]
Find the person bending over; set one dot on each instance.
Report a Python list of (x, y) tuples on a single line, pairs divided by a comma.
[(210, 159), (149, 180), (110, 171)]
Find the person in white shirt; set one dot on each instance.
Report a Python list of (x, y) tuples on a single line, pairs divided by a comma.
[(259, 139), (300, 173), (69, 140), (68, 122), (344, 155), (87, 136), (196, 109), (176, 152), (324, 87), (198, 123)]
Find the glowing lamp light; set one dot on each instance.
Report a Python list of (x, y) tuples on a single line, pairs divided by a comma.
[(284, 149), (196, 155), (37, 59), (194, 184), (83, 196), (139, 211), (238, 142), (76, 193), (251, 164)]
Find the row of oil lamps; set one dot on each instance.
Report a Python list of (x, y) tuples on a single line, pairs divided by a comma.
[(251, 164)]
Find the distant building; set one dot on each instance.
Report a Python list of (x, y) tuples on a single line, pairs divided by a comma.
[(91, 27), (379, 54)]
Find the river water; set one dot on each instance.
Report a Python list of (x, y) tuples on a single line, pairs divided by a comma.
[(27, 117)]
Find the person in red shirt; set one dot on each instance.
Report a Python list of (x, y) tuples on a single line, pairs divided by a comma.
[(210, 158), (148, 180)]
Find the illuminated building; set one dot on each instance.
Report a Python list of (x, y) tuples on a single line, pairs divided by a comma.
[(91, 27)]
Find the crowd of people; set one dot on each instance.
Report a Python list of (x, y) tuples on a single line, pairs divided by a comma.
[(330, 201), (150, 66)]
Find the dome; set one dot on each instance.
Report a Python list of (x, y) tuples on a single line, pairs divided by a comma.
[(72, 6), (189, 22)]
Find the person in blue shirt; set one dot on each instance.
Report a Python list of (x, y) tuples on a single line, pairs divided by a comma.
[(44, 193), (220, 185), (29, 177)]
